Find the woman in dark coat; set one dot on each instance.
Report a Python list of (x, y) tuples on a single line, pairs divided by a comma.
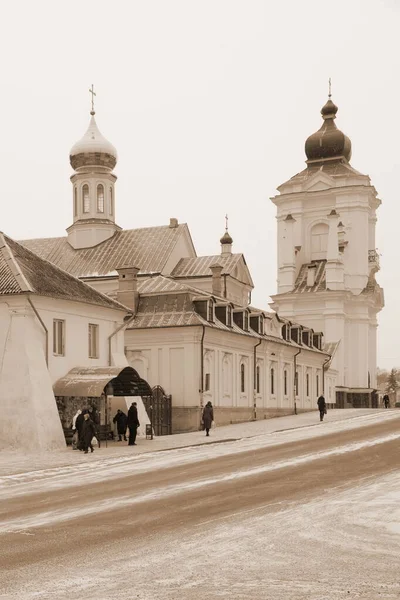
[(321, 407), (121, 420), (88, 432), (208, 417)]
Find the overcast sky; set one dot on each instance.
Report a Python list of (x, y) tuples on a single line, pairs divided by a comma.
[(208, 103)]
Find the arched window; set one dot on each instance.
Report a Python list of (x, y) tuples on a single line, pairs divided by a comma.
[(111, 201), (319, 241), (307, 385), (258, 387), (272, 381), (75, 201), (100, 198), (85, 199), (242, 378), (285, 382)]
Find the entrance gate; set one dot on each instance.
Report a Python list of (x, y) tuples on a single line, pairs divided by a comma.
[(159, 410)]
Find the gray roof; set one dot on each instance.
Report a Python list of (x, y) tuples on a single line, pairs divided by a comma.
[(200, 266), (320, 278), (148, 248), (22, 271)]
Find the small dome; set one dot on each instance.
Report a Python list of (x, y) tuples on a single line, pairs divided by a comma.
[(226, 238), (328, 142), (93, 150)]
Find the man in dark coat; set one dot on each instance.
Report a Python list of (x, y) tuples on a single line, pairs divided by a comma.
[(121, 420), (79, 424), (208, 417), (386, 401), (133, 423), (321, 407), (88, 432)]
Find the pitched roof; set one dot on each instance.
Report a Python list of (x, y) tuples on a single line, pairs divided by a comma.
[(319, 282), (200, 266), (149, 248), (335, 169), (22, 271)]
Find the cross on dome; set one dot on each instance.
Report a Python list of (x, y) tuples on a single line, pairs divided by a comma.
[(91, 91)]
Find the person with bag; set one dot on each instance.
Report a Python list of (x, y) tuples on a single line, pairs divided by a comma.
[(133, 423), (208, 417), (321, 407), (87, 434)]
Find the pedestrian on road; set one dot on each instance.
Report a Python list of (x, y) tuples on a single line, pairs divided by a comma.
[(88, 433), (208, 417), (321, 407), (121, 420), (133, 423), (386, 401), (79, 424)]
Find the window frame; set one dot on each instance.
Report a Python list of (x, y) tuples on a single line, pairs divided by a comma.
[(272, 381), (75, 201), (258, 379), (58, 348), (85, 207), (207, 382), (111, 206), (317, 383), (93, 341), (285, 387), (242, 378), (98, 197), (307, 385)]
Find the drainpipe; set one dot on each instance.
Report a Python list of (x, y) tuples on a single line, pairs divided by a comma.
[(124, 325), (294, 380), (255, 380), (45, 330), (201, 390)]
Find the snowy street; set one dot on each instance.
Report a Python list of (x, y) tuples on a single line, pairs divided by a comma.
[(306, 513)]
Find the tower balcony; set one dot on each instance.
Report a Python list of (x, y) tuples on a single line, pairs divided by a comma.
[(373, 259)]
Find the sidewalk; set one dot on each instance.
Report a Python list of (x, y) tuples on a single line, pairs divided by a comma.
[(14, 462)]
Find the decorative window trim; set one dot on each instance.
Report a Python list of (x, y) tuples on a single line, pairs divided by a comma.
[(58, 337), (100, 198), (93, 340), (85, 199)]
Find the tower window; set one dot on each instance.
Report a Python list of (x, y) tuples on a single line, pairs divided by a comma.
[(85, 199), (75, 201), (111, 201), (100, 198)]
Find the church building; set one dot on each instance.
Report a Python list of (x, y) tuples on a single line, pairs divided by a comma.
[(193, 329), (327, 258)]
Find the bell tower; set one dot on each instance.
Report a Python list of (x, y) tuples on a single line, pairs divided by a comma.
[(93, 159), (327, 259)]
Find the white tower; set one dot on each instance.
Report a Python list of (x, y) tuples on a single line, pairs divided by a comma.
[(327, 258), (93, 159)]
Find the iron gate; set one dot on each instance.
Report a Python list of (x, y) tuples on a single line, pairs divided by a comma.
[(159, 410)]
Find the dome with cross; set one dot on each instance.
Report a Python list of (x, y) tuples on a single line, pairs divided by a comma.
[(93, 150)]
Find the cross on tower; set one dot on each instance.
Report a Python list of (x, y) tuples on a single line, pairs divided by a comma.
[(330, 88), (91, 91), (226, 222)]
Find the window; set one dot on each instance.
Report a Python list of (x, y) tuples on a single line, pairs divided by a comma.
[(111, 202), (307, 385), (258, 387), (319, 241), (93, 341), (246, 320), (296, 383), (75, 201), (317, 385), (58, 337), (242, 378), (85, 199), (210, 315), (229, 316), (207, 383), (272, 381), (100, 198), (285, 382)]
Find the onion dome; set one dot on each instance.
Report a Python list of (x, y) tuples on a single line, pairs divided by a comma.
[(226, 238), (328, 142), (93, 150)]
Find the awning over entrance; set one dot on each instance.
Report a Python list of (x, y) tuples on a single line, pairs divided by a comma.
[(90, 382)]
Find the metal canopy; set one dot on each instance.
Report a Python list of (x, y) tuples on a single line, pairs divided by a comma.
[(90, 382)]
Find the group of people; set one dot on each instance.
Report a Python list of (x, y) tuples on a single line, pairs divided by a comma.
[(85, 421), (124, 422)]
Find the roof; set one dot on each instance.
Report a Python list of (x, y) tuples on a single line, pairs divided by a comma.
[(335, 169), (161, 284), (91, 381), (319, 282), (22, 271), (200, 266), (148, 247)]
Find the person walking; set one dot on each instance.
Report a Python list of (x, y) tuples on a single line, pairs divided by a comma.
[(79, 424), (88, 433), (121, 420), (133, 423), (386, 401), (75, 436), (208, 417), (321, 407)]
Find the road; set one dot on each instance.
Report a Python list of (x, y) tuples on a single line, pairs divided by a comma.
[(305, 515)]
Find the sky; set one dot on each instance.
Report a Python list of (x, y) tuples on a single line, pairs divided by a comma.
[(209, 103)]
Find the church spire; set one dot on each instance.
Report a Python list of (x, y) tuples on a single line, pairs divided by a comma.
[(226, 241)]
